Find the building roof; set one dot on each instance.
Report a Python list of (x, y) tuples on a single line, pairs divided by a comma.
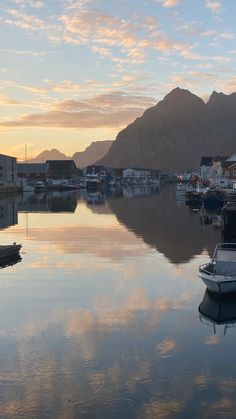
[(231, 164), (232, 158), (5, 155)]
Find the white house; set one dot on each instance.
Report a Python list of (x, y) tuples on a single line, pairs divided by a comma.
[(136, 173), (8, 170), (212, 167)]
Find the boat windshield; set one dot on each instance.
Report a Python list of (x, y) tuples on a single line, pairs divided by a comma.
[(225, 259)]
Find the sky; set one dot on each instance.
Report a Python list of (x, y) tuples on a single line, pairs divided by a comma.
[(77, 71)]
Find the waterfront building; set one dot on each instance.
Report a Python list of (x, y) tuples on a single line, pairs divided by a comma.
[(61, 169), (8, 171), (32, 172), (212, 167)]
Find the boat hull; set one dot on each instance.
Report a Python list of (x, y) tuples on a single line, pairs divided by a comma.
[(9, 255), (219, 284)]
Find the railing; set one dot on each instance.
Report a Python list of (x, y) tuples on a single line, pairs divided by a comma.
[(226, 246)]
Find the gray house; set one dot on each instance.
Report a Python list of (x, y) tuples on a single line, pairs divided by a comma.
[(8, 170)]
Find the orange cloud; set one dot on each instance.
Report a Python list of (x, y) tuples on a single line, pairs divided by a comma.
[(114, 109), (169, 3)]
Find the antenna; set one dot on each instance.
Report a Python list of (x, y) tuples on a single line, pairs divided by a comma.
[(25, 153)]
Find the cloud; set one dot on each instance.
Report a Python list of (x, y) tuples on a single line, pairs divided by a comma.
[(26, 22), (227, 35), (5, 100), (214, 6), (122, 41), (167, 347), (23, 52), (212, 340), (30, 3), (115, 109), (169, 3)]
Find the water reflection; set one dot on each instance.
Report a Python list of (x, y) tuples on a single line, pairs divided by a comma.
[(8, 211), (96, 323), (48, 202), (218, 310), (10, 261), (173, 230)]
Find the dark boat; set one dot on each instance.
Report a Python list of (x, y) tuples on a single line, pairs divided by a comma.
[(214, 200), (9, 255)]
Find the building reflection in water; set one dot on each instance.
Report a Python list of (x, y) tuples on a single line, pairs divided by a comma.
[(48, 202), (8, 211), (156, 217)]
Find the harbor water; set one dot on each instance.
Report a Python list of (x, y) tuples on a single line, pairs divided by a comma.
[(100, 318)]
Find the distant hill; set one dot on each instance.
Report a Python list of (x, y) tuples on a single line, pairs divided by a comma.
[(53, 154), (176, 133), (95, 151)]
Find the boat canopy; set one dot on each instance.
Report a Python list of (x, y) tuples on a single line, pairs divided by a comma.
[(225, 259)]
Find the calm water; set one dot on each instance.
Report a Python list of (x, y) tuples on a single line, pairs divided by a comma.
[(100, 318)]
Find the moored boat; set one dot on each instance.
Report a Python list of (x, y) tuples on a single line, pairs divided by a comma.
[(9, 255), (92, 181), (214, 199), (219, 275), (40, 187)]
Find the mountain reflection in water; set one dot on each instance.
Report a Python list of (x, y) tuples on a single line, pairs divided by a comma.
[(172, 229)]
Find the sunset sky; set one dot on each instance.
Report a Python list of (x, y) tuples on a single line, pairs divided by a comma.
[(76, 71)]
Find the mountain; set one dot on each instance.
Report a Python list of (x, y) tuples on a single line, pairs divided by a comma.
[(176, 133), (96, 150), (53, 154)]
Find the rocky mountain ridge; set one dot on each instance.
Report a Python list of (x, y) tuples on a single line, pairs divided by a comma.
[(96, 150), (174, 134)]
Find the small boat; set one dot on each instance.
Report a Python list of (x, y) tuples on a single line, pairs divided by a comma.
[(40, 187), (219, 275), (9, 255), (92, 181), (181, 189), (214, 200)]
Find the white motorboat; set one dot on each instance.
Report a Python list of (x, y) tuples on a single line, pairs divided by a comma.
[(219, 275), (92, 181), (40, 187)]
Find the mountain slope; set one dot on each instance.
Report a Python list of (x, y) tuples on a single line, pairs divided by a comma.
[(174, 134), (96, 150)]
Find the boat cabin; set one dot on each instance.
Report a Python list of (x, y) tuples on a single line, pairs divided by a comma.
[(224, 259)]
